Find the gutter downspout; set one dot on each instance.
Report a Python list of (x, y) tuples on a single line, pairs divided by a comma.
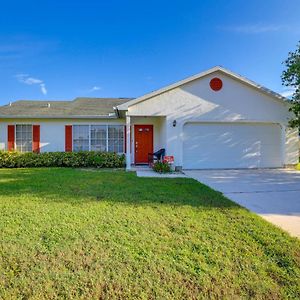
[(117, 111)]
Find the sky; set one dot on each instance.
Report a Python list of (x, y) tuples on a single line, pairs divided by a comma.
[(59, 50)]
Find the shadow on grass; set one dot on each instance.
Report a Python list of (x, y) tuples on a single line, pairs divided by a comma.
[(76, 186)]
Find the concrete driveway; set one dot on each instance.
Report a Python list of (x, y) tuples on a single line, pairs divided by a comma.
[(274, 194)]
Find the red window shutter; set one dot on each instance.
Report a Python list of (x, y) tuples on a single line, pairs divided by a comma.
[(68, 138), (36, 138), (10, 137)]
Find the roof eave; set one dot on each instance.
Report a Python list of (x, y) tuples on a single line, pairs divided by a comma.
[(57, 117)]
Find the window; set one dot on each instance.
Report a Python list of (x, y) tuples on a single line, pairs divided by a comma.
[(81, 138), (98, 138), (116, 139), (24, 138)]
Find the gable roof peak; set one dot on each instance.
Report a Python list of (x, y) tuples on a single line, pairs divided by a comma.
[(217, 68)]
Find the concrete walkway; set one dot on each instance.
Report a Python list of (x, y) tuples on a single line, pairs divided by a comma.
[(273, 194)]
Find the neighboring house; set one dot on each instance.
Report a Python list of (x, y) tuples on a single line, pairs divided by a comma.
[(215, 119)]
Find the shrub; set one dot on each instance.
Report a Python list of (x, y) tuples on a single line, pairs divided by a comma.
[(161, 167), (298, 167), (84, 159)]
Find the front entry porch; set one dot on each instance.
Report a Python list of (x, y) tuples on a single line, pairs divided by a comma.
[(144, 135)]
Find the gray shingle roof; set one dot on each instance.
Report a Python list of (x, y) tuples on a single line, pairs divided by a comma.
[(79, 107)]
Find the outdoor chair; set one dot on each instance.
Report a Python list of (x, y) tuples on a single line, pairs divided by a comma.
[(156, 156)]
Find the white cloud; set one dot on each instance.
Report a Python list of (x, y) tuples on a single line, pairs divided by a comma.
[(43, 88), (256, 28), (31, 80), (288, 93), (25, 45), (26, 79), (94, 89), (21, 77)]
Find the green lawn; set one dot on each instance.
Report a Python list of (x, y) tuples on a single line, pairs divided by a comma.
[(107, 234)]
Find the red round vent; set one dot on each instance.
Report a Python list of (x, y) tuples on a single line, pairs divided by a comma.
[(216, 84)]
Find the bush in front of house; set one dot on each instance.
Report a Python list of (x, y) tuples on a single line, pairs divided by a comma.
[(161, 167), (84, 159)]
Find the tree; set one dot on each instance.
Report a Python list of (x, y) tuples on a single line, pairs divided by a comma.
[(291, 78)]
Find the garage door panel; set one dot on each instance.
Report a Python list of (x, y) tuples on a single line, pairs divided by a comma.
[(231, 146)]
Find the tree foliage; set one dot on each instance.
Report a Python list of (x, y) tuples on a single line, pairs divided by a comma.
[(291, 78)]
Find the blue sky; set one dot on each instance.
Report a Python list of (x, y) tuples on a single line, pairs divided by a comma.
[(64, 49)]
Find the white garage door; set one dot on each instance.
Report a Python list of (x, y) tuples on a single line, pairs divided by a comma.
[(227, 145)]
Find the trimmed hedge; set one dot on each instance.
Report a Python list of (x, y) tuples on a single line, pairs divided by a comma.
[(84, 159)]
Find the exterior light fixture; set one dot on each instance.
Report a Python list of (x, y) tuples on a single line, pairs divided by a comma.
[(174, 123)]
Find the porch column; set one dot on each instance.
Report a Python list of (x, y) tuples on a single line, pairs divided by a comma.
[(128, 142)]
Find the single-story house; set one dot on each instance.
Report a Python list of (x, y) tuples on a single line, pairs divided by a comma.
[(215, 119)]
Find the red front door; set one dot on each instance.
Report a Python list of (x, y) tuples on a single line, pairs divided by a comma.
[(143, 136)]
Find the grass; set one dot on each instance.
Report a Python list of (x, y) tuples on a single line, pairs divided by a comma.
[(79, 234)]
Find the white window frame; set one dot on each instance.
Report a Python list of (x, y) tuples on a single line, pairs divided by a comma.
[(123, 127), (106, 125), (89, 135), (15, 141)]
